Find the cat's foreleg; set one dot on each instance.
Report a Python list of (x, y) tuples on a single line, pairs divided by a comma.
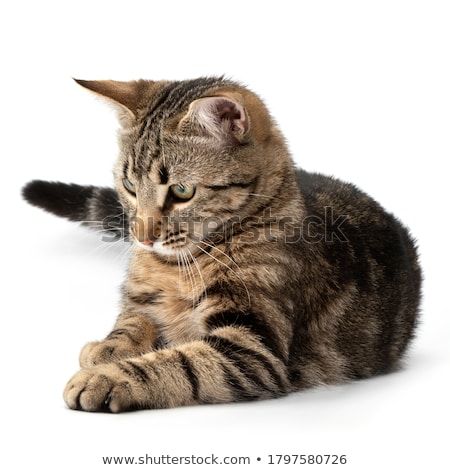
[(231, 365), (133, 335)]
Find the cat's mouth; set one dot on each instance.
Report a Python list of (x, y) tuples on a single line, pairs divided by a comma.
[(180, 244), (176, 249)]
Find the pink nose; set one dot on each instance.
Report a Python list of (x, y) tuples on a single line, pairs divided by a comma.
[(147, 242)]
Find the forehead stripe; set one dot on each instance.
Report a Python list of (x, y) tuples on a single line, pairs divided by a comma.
[(164, 175), (171, 99)]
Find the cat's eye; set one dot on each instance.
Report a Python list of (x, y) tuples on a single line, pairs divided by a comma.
[(183, 192), (129, 186)]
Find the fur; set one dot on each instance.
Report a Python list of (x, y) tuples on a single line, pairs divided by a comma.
[(248, 278)]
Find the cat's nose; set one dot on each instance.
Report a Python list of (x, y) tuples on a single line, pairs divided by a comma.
[(146, 239), (146, 227)]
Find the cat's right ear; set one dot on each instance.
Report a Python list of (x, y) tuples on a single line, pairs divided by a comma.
[(126, 97), (221, 117)]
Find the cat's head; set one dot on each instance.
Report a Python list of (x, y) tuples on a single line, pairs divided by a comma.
[(197, 158)]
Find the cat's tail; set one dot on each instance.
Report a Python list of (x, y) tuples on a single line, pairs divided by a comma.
[(95, 207)]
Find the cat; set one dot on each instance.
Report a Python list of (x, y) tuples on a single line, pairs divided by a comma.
[(248, 278)]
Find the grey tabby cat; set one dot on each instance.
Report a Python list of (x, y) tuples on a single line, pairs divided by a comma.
[(248, 279)]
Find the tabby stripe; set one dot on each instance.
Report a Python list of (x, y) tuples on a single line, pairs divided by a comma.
[(180, 95), (146, 298), (190, 90), (153, 110), (154, 114), (126, 167), (170, 100), (250, 321), (177, 95), (240, 393), (248, 369), (136, 372), (237, 354), (122, 332), (164, 175), (190, 374), (167, 103), (237, 184), (227, 289)]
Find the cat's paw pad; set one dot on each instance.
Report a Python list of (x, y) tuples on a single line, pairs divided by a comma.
[(104, 352), (101, 388)]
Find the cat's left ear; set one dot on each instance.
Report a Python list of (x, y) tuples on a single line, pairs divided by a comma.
[(220, 117), (124, 96)]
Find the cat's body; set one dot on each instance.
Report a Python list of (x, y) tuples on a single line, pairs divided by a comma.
[(248, 279)]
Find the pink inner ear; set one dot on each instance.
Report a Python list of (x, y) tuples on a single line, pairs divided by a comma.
[(221, 117)]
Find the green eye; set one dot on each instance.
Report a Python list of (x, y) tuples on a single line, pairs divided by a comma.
[(183, 191), (129, 186)]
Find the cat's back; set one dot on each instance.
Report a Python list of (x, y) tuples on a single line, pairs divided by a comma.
[(319, 191), (347, 224), (348, 213), (360, 283)]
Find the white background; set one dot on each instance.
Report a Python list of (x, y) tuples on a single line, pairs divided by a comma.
[(361, 90)]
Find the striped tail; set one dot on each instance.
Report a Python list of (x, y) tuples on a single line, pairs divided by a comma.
[(95, 207)]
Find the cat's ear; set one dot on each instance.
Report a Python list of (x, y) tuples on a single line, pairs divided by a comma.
[(125, 96), (220, 117)]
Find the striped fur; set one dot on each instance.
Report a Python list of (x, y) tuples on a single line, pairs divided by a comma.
[(248, 279)]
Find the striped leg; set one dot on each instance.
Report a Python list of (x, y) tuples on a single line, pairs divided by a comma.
[(229, 365), (132, 336)]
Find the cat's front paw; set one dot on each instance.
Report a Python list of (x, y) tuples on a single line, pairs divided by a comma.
[(101, 388), (104, 352)]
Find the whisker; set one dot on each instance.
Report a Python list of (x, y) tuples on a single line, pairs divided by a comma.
[(226, 265), (118, 247), (214, 247), (179, 266), (197, 265), (188, 270)]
